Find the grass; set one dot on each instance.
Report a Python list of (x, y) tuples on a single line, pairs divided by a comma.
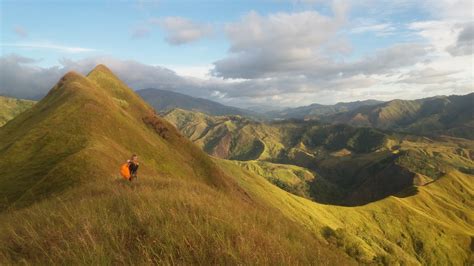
[(393, 230), (156, 221), (11, 107)]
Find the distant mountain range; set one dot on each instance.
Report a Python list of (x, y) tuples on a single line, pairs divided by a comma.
[(315, 110), (164, 100), (450, 115)]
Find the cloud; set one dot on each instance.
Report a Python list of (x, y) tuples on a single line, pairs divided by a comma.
[(140, 33), (180, 30), (19, 77), (49, 46), (381, 29), (428, 75), (465, 42), (263, 46), (20, 31)]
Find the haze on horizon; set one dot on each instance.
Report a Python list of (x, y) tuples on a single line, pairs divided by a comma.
[(247, 53)]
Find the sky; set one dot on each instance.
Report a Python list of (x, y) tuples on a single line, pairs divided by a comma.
[(245, 53)]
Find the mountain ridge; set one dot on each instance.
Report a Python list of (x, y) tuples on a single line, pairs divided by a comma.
[(164, 100), (452, 115), (59, 163)]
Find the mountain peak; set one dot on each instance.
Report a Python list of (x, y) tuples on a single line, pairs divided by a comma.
[(71, 75), (100, 68)]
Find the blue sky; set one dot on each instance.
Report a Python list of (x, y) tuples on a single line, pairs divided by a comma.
[(248, 53)]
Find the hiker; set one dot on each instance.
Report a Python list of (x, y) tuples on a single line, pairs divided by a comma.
[(133, 166)]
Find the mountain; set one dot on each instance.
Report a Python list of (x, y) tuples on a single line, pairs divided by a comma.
[(11, 107), (403, 182), (315, 110), (348, 159), (450, 115), (62, 201), (163, 100)]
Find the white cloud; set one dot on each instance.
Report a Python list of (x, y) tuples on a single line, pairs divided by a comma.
[(262, 46), (49, 46), (379, 29), (465, 42), (181, 30)]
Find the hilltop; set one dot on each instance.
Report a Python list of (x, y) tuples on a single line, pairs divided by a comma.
[(11, 107)]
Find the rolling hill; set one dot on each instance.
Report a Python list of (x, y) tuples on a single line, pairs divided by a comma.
[(59, 172), (449, 115), (11, 107), (63, 203), (163, 100), (409, 181), (354, 165)]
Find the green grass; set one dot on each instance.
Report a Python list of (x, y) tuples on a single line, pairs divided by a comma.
[(427, 228), (157, 220), (10, 107)]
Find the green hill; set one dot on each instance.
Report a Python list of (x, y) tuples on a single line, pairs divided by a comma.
[(59, 173), (354, 165), (418, 188), (164, 100), (316, 111), (449, 115), (11, 107)]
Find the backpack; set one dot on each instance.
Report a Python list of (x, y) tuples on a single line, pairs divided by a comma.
[(125, 171)]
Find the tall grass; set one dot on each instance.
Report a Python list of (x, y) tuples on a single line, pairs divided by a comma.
[(160, 221)]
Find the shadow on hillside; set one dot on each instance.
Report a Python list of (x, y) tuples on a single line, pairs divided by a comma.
[(408, 192)]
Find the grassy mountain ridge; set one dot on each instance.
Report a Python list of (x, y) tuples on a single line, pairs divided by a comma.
[(164, 100), (315, 110), (11, 107), (354, 165), (429, 213), (450, 115), (59, 172)]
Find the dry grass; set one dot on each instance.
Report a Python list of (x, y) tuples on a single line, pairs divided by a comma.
[(159, 221)]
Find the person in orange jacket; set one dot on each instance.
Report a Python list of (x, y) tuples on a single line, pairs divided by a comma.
[(133, 166)]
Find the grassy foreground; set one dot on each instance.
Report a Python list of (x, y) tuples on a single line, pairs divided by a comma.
[(160, 221)]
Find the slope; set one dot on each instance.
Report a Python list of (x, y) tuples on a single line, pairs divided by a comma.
[(11, 107), (58, 168), (450, 115), (163, 101), (433, 227), (353, 166), (315, 111)]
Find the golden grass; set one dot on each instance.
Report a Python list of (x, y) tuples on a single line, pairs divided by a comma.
[(434, 227), (156, 221)]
